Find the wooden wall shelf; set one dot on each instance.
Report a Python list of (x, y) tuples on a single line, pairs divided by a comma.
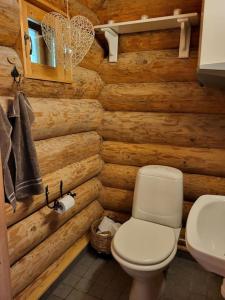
[(177, 20)]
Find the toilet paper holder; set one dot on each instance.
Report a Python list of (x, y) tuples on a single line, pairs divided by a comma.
[(56, 204)]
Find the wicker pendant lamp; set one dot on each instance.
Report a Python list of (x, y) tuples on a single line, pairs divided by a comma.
[(69, 39)]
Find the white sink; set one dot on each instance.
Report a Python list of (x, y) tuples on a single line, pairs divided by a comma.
[(205, 234)]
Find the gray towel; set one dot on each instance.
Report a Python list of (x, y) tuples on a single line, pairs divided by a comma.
[(5, 146), (28, 181)]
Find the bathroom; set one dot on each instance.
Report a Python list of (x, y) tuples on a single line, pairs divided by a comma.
[(124, 135)]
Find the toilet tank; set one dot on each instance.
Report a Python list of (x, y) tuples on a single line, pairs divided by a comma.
[(158, 195)]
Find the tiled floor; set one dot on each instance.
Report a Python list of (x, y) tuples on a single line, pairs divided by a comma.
[(92, 277)]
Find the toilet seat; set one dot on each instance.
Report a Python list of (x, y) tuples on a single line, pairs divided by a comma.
[(144, 243)]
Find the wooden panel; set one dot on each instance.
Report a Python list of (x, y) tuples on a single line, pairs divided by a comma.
[(149, 66), (200, 130), (87, 83), (64, 116), (72, 176), (27, 234), (189, 160), (187, 97), (41, 284), (123, 177), (125, 10), (9, 20), (56, 153), (155, 40), (121, 201), (34, 263)]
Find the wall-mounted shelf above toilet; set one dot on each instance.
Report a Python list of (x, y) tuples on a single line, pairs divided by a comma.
[(177, 20)]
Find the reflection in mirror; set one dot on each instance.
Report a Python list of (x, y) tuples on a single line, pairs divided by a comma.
[(40, 53)]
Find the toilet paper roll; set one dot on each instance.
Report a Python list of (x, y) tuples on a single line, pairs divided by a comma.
[(65, 204)]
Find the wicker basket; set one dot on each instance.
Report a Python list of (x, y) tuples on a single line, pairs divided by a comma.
[(102, 244)]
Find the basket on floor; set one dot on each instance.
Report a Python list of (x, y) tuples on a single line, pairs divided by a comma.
[(102, 244)]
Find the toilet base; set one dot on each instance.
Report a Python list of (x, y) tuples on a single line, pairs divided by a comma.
[(148, 288)]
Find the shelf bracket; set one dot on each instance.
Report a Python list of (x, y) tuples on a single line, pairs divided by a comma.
[(112, 39), (185, 37)]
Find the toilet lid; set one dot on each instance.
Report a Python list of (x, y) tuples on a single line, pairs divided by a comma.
[(144, 243)]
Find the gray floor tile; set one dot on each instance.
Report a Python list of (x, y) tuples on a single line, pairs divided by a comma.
[(76, 295), (62, 290), (124, 296), (195, 296), (96, 278), (97, 290), (79, 269), (84, 285), (198, 282), (111, 294), (71, 279), (53, 297)]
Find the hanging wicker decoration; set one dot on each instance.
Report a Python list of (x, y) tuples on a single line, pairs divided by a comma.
[(69, 39)]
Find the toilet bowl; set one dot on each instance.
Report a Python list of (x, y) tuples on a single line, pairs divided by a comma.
[(145, 245)]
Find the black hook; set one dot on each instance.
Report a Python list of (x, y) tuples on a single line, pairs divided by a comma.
[(15, 74)]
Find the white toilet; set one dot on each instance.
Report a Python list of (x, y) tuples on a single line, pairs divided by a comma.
[(146, 244)]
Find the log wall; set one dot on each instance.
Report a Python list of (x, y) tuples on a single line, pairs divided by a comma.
[(68, 147), (155, 110), (155, 113)]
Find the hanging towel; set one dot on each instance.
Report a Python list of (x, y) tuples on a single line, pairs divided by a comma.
[(28, 181), (5, 146)]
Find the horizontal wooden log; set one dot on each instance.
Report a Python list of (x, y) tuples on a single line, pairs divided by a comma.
[(123, 177), (56, 153), (72, 176), (181, 97), (155, 40), (92, 4), (121, 201), (149, 66), (117, 216), (43, 282), (27, 234), (87, 83), (116, 199), (118, 176), (190, 160), (9, 19), (77, 8), (35, 262), (94, 57), (132, 10), (57, 117), (191, 130)]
